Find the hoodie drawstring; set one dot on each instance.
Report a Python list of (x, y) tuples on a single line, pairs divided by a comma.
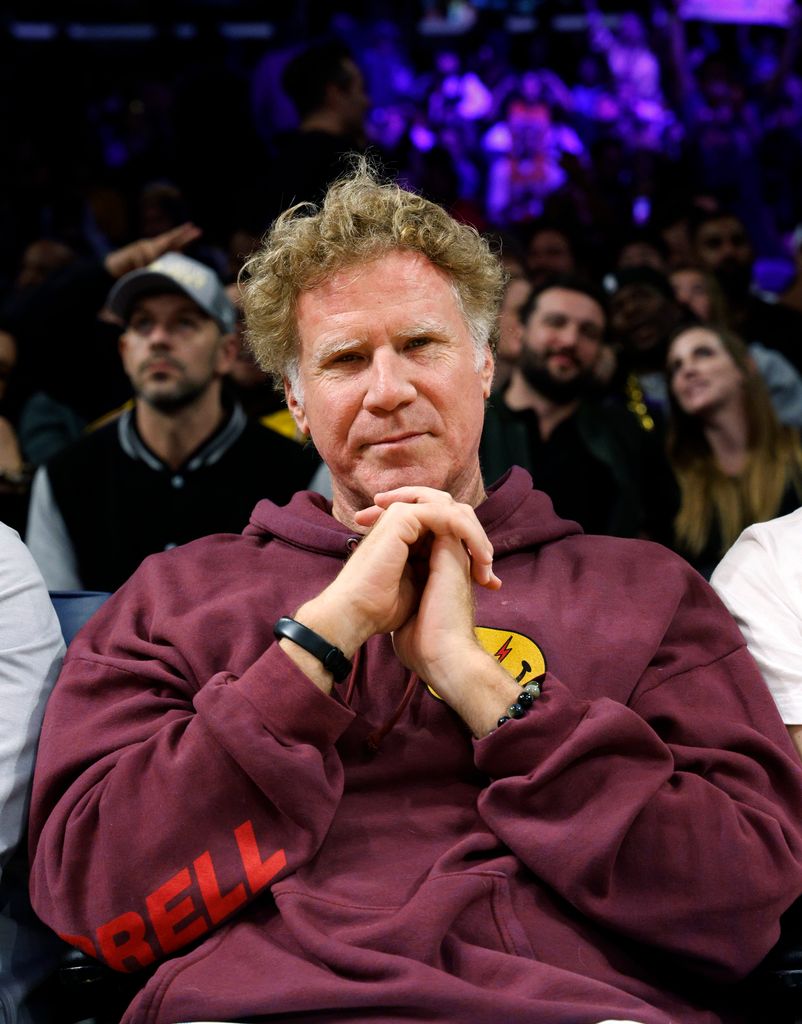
[(374, 740)]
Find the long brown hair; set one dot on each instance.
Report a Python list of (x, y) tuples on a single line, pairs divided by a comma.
[(710, 497)]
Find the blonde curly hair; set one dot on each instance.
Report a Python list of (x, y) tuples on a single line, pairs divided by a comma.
[(361, 219)]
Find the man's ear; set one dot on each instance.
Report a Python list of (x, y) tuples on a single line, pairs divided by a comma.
[(226, 353), (296, 408), (486, 372)]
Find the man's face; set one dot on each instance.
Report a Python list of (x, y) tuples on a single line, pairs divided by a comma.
[(561, 343), (245, 371), (172, 351), (642, 316), (510, 327), (391, 394), (723, 246), (642, 254), (549, 253)]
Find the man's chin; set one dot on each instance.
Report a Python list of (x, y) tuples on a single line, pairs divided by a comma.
[(562, 390), (168, 399)]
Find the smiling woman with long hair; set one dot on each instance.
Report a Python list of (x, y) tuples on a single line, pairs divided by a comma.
[(735, 463)]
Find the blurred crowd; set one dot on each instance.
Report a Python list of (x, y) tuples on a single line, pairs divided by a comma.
[(649, 162)]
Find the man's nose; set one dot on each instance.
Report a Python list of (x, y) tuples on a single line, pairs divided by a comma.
[(389, 385), (730, 249), (567, 337), (159, 335)]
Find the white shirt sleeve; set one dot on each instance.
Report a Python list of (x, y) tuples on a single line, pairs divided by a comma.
[(48, 539), (760, 581), (31, 649)]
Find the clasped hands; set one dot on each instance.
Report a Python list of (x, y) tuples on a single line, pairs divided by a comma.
[(412, 577)]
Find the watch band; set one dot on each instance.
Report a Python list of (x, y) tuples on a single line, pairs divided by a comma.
[(331, 657)]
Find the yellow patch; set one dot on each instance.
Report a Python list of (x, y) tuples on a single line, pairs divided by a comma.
[(282, 422), (519, 655)]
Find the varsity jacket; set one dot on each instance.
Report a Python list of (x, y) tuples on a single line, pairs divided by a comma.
[(266, 851), (107, 501)]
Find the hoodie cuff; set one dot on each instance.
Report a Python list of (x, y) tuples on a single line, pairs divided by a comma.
[(516, 747), (289, 704)]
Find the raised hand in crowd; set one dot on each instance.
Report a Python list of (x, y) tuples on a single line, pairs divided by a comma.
[(140, 253)]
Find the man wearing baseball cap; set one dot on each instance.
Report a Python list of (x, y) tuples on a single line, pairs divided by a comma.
[(178, 464)]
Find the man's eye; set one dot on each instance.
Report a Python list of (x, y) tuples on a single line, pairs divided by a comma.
[(418, 342), (345, 357), (141, 326)]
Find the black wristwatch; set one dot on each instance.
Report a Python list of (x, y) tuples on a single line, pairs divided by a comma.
[(331, 657)]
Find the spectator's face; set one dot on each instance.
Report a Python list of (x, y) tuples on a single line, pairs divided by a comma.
[(642, 254), (677, 239), (641, 316), (172, 351), (703, 376), (723, 246), (510, 326), (388, 385), (561, 342), (693, 292), (549, 253), (245, 371), (41, 260)]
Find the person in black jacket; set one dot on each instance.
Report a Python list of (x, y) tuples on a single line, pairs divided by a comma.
[(176, 465), (588, 455)]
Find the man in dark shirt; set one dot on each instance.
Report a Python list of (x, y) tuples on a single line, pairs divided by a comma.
[(583, 454), (722, 245), (328, 91)]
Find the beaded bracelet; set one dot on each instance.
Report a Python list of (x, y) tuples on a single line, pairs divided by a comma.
[(523, 702)]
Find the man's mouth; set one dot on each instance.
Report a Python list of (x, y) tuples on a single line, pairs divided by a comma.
[(396, 440), (161, 366), (563, 361)]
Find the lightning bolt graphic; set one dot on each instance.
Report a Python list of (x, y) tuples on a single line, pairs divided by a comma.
[(504, 650)]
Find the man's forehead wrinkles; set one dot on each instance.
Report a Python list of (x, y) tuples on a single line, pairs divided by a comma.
[(424, 325)]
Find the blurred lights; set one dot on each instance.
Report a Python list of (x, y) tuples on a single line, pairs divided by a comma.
[(131, 32)]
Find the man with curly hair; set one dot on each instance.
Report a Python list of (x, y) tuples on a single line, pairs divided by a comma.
[(426, 752)]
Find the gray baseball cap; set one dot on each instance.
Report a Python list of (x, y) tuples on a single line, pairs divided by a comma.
[(175, 272)]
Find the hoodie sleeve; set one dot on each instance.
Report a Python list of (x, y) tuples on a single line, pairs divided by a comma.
[(225, 784), (675, 818)]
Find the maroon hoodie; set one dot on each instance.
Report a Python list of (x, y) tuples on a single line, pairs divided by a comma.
[(623, 851)]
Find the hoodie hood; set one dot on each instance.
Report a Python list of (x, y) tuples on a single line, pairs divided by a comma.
[(514, 515)]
